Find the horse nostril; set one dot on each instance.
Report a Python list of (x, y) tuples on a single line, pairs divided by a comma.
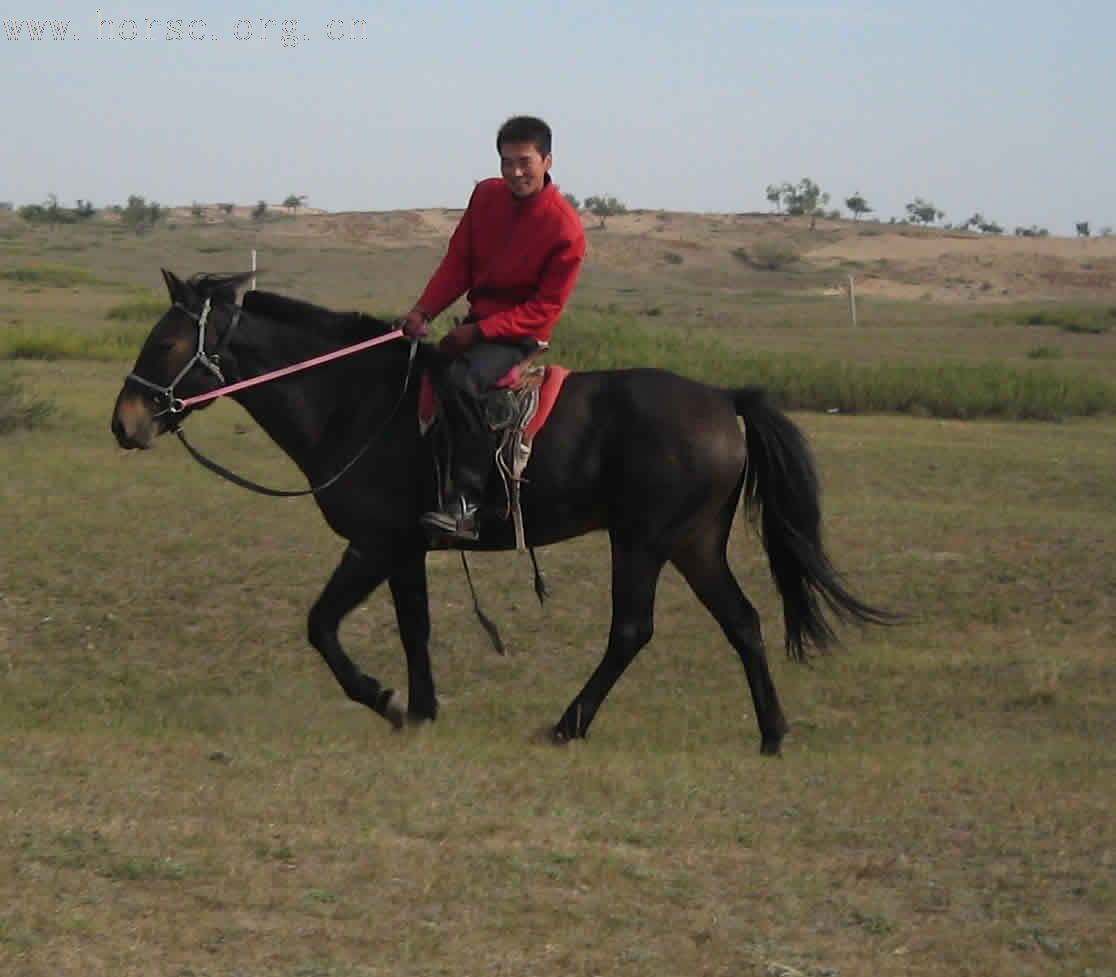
[(120, 434)]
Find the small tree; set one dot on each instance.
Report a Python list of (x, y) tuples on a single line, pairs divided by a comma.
[(259, 211), (572, 201), (226, 209), (139, 215), (293, 202), (604, 206), (984, 226), (857, 205), (197, 211), (923, 212), (803, 198), (774, 194), (1083, 229)]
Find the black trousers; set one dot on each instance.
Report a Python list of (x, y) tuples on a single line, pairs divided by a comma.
[(464, 382)]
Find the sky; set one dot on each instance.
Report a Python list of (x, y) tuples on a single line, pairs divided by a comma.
[(1001, 108)]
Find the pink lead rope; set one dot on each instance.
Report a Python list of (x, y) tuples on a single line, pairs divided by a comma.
[(287, 370)]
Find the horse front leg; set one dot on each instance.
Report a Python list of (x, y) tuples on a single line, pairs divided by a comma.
[(412, 613), (354, 579)]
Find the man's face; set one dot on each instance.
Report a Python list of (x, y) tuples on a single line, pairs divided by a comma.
[(523, 168)]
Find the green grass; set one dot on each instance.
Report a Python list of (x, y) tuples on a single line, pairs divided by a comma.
[(1090, 319), (52, 276), (803, 381), (146, 309), (180, 772), (19, 411), (42, 342)]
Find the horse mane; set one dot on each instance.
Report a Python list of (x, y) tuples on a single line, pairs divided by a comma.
[(342, 326)]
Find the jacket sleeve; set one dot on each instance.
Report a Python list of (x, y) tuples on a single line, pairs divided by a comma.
[(453, 276), (535, 317)]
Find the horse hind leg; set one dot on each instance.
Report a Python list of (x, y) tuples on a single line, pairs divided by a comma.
[(353, 580), (635, 575), (707, 571)]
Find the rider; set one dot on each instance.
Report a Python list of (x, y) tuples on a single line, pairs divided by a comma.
[(517, 252)]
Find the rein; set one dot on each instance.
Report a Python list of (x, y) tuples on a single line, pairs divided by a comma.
[(175, 406), (247, 483)]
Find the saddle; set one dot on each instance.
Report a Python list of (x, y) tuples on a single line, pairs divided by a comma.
[(515, 410)]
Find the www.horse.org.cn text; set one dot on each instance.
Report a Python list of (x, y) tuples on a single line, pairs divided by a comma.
[(286, 31)]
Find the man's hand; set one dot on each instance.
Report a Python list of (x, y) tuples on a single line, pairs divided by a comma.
[(415, 324), (460, 339)]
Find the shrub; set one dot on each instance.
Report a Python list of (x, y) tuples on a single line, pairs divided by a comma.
[(768, 255), (17, 410)]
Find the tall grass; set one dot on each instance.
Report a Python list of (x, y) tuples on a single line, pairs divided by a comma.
[(143, 308), (49, 276), (17, 410), (954, 390), (588, 340), (61, 343)]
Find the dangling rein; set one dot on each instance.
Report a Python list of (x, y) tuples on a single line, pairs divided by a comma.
[(179, 406)]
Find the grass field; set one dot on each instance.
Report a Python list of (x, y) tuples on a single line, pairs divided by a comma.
[(185, 791)]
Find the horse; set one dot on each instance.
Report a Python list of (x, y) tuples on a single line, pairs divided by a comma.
[(656, 460)]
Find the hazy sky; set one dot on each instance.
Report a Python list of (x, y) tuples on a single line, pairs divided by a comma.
[(1006, 108)]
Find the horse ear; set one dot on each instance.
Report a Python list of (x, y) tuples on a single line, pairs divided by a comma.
[(175, 286)]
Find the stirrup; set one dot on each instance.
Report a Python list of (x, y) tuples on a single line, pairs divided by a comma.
[(457, 521)]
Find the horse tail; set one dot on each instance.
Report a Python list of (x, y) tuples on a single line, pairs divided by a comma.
[(782, 497)]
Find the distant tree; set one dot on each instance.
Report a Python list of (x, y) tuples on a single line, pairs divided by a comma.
[(294, 201), (804, 197), (1033, 231), (1083, 229), (604, 206), (1105, 231), (139, 215), (197, 211), (50, 212), (84, 209), (226, 209), (572, 201), (857, 205), (259, 211), (6, 207), (978, 222), (923, 212), (774, 194)]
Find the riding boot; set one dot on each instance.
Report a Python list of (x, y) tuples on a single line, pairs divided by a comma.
[(470, 460)]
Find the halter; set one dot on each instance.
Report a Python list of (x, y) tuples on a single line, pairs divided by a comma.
[(165, 396), (177, 405)]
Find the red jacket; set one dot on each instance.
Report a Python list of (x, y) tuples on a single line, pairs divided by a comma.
[(518, 260)]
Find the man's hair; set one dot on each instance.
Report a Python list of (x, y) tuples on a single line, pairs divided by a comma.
[(525, 128)]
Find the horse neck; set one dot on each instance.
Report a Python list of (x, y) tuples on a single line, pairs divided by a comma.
[(308, 415)]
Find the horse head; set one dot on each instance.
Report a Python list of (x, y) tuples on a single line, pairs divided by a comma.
[(180, 358)]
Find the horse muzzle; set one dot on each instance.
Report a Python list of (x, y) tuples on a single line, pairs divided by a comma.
[(134, 425)]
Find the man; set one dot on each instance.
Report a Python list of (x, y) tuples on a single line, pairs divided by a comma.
[(517, 252)]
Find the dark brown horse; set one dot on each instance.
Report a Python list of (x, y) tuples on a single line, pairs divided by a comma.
[(657, 461)]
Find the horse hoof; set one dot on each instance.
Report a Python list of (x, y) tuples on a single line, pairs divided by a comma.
[(771, 747), (395, 711)]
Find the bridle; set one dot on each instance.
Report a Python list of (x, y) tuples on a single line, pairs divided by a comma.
[(165, 398), (168, 403)]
